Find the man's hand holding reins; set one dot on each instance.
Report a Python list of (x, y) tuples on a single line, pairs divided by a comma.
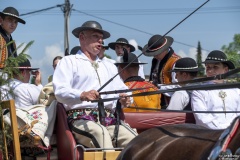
[(125, 101), (89, 95)]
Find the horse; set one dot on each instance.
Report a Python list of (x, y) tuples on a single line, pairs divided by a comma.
[(184, 142)]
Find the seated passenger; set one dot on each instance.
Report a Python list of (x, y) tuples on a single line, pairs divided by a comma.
[(185, 69), (118, 48), (163, 61), (23, 93), (34, 120), (132, 80), (76, 81), (216, 100)]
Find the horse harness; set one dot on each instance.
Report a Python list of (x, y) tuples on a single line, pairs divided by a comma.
[(221, 147)]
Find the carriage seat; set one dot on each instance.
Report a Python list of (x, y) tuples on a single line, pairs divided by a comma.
[(145, 120), (65, 140), (66, 143)]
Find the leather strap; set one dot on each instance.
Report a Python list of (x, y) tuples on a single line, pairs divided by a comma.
[(101, 113), (116, 129)]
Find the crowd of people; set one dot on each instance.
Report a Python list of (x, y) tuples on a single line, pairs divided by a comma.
[(79, 77)]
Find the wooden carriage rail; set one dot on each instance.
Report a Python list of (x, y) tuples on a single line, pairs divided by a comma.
[(99, 154), (14, 128)]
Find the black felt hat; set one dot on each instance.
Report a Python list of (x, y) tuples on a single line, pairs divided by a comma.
[(106, 47), (121, 41), (156, 45), (26, 65), (128, 58), (217, 56), (186, 65), (90, 25), (74, 50), (10, 11)]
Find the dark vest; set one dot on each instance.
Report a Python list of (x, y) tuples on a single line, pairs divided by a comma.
[(188, 106), (10, 48), (163, 75)]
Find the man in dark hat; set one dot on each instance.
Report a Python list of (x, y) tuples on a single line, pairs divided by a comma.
[(217, 63), (118, 47), (132, 80), (120, 44), (218, 99), (185, 69), (164, 59), (76, 81), (9, 19), (25, 95)]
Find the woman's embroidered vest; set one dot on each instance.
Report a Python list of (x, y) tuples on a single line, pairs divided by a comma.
[(3, 51), (148, 101), (165, 75)]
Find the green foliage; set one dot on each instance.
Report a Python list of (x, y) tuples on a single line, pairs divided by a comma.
[(233, 50), (6, 73), (199, 60), (107, 56)]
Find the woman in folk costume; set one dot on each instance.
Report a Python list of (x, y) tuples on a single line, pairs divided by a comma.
[(164, 59), (9, 19), (35, 121), (133, 81), (216, 100)]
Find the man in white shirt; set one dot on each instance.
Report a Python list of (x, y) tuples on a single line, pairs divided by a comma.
[(34, 119), (23, 93), (76, 81), (118, 47), (185, 69), (216, 100)]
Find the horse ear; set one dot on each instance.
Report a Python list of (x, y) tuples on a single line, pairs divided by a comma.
[(125, 55)]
